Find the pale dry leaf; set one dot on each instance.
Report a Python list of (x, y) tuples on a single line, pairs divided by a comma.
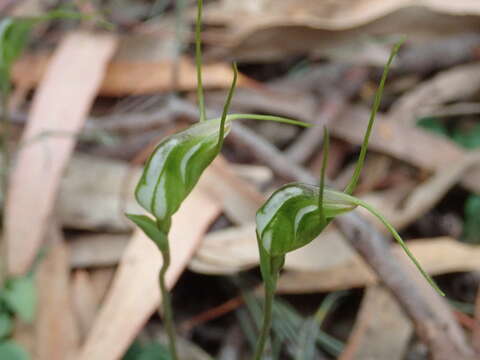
[(54, 339), (257, 175), (60, 105), (226, 251), (369, 340), (85, 301), (331, 15), (438, 256), (240, 199), (447, 86), (101, 280), (272, 29), (135, 288), (403, 211), (234, 249), (95, 202), (141, 66), (89, 251)]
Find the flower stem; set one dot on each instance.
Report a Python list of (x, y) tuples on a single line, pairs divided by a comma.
[(167, 305), (266, 324)]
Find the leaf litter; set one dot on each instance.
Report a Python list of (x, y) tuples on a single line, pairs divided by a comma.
[(115, 271)]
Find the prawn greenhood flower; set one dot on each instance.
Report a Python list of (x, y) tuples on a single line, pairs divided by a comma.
[(291, 216), (175, 166)]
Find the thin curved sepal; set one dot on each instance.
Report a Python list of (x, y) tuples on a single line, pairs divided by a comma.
[(376, 104), (289, 219), (397, 238)]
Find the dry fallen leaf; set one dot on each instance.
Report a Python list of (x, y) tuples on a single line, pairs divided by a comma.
[(369, 339), (56, 333), (271, 29), (234, 249), (101, 281), (438, 256), (85, 301), (60, 105), (240, 199), (88, 251), (460, 82), (139, 67)]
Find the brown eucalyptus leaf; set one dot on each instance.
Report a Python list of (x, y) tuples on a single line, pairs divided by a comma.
[(60, 104), (369, 338), (271, 29)]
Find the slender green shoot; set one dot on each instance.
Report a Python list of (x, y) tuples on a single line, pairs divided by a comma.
[(376, 104), (198, 61), (326, 146), (221, 135), (327, 305), (167, 304), (266, 324)]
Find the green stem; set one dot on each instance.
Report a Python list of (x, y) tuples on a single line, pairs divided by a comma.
[(376, 104), (198, 61), (266, 322), (167, 304)]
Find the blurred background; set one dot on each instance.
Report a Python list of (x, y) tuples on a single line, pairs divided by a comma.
[(90, 98)]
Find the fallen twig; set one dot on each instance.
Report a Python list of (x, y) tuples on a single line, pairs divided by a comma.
[(432, 316)]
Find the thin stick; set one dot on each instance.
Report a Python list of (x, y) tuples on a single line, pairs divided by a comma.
[(399, 240), (376, 104), (198, 61)]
